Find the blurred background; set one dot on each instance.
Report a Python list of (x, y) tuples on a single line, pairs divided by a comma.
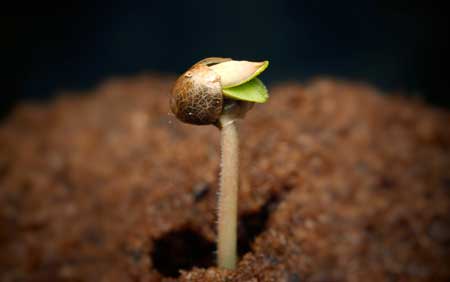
[(73, 45)]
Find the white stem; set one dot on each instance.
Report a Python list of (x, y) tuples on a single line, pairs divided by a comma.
[(228, 193)]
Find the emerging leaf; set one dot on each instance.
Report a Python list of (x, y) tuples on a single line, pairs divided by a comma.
[(251, 91), (234, 73)]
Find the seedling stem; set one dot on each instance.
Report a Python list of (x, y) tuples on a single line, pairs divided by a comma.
[(228, 194)]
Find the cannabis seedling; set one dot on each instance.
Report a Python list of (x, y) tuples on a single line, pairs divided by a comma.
[(219, 91)]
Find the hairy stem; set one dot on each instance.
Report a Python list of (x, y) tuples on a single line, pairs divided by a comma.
[(228, 193)]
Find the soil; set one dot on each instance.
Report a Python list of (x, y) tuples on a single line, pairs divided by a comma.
[(338, 183)]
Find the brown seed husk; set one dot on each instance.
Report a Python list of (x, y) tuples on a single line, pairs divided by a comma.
[(197, 96)]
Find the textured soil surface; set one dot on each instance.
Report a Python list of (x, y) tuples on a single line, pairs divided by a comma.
[(338, 184)]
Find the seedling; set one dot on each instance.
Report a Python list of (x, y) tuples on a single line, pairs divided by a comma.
[(219, 91)]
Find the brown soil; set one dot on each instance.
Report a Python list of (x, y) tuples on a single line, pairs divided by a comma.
[(338, 184)]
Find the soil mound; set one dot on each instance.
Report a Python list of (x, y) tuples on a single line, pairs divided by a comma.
[(338, 183)]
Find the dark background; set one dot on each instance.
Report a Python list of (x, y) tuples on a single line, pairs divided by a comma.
[(395, 45)]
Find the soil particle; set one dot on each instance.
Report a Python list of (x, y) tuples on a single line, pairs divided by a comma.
[(338, 183)]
